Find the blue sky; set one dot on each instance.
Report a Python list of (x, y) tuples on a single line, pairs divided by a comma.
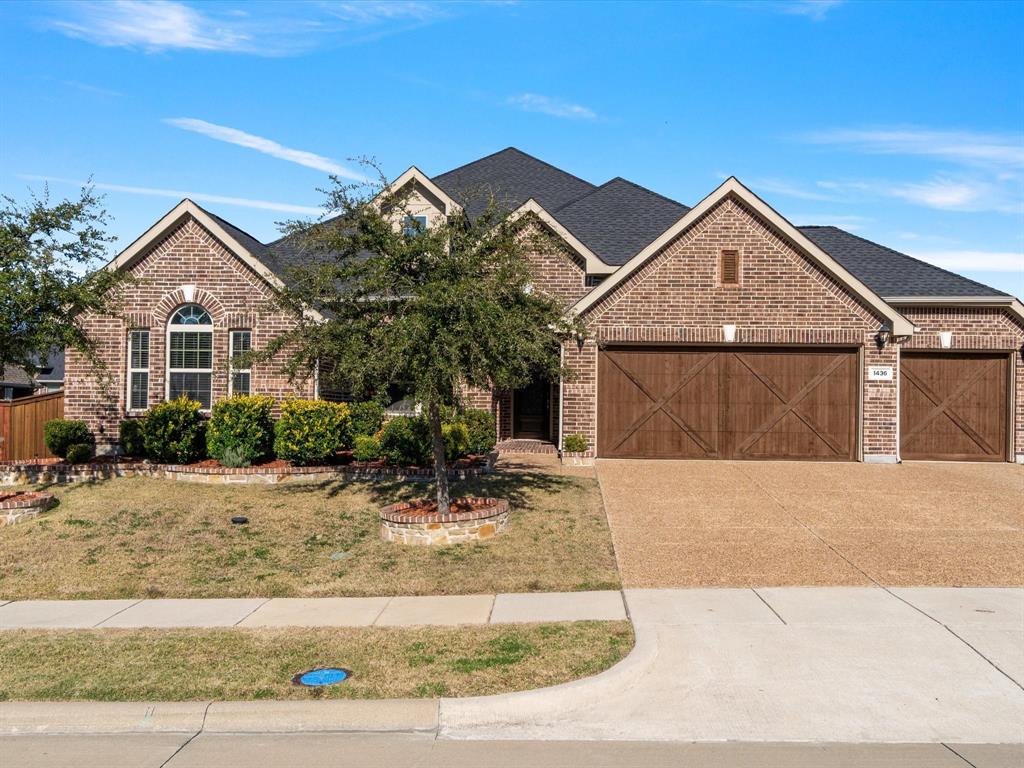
[(902, 122)]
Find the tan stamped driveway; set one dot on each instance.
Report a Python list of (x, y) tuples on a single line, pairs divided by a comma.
[(727, 523)]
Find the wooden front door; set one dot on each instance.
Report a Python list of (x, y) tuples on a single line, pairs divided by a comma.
[(531, 412), (736, 403), (953, 406)]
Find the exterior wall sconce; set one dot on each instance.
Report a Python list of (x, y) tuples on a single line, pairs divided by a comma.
[(946, 339), (882, 337), (729, 332)]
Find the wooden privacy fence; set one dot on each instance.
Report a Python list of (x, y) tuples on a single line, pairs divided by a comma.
[(21, 425)]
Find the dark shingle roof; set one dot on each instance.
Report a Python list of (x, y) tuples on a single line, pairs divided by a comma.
[(619, 218), (13, 376), (513, 177), (890, 273)]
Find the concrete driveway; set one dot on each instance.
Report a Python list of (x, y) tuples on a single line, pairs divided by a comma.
[(704, 523)]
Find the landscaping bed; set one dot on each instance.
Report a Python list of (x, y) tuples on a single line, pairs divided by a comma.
[(244, 664), (135, 538)]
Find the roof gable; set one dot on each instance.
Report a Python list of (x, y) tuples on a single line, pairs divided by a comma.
[(732, 187), (619, 218)]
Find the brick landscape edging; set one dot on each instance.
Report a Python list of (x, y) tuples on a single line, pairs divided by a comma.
[(22, 506), (19, 473), (431, 529)]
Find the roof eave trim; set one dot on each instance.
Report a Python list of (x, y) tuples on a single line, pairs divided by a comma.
[(186, 207), (899, 325), (594, 264), (415, 174), (1011, 303)]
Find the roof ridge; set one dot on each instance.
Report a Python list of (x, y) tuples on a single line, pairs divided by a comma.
[(650, 191), (222, 220), (519, 151), (995, 291)]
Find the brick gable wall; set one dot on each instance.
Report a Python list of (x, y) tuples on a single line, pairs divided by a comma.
[(235, 298), (782, 299), (975, 329)]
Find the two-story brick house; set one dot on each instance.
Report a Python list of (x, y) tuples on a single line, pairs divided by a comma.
[(718, 331)]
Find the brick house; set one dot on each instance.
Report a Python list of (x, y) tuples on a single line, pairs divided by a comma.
[(718, 331)]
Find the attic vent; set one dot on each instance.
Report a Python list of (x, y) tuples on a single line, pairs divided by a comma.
[(730, 267)]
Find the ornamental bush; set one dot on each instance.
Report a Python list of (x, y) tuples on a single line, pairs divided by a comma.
[(366, 448), (174, 432), (132, 437), (456, 440), (405, 440), (311, 431), (367, 418), (575, 443), (60, 434), (243, 425), (483, 432), (79, 453)]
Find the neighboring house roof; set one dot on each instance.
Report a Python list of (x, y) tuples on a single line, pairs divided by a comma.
[(13, 376), (51, 370), (513, 177), (619, 218), (890, 273)]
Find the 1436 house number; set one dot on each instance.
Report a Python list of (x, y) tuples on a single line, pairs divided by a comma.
[(880, 373)]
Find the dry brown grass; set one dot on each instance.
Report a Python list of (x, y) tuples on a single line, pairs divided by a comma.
[(154, 538), (237, 664)]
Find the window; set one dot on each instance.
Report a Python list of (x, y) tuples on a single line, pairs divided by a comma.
[(730, 273), (414, 225), (241, 378), (138, 370), (593, 280), (190, 355)]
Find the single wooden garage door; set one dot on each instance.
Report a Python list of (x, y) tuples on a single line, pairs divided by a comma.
[(735, 403), (953, 406)]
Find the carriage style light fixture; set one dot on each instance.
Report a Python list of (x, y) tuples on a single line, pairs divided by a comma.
[(729, 331), (882, 337)]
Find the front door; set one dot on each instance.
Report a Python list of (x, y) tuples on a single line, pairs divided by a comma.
[(531, 413)]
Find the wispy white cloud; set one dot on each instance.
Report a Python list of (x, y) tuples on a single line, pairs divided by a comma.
[(266, 146), (974, 261), (534, 102), (964, 147), (815, 10), (95, 90), (277, 30), (177, 194)]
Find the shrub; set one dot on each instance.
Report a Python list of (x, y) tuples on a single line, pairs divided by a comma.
[(174, 432), (575, 443), (405, 440), (235, 456), (79, 453), (483, 432), (132, 437), (311, 431), (244, 425), (61, 434), (366, 448), (456, 440), (367, 418)]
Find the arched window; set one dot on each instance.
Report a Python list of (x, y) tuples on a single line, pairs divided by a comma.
[(190, 355)]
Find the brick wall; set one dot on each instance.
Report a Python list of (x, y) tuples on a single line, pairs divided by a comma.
[(557, 270), (233, 295), (975, 328), (782, 299)]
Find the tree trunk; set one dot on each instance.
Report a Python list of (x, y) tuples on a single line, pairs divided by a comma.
[(440, 466)]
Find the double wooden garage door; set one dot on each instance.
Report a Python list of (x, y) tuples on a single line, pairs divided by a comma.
[(954, 406), (735, 403)]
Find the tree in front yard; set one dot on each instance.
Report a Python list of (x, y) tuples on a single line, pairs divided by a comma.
[(49, 253), (391, 303)]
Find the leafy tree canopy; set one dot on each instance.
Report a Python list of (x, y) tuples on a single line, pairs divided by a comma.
[(48, 259), (385, 302)]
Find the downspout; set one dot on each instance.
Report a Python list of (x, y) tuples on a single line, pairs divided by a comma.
[(899, 381), (561, 396), (316, 380)]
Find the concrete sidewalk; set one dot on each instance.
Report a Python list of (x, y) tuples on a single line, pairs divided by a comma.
[(446, 610)]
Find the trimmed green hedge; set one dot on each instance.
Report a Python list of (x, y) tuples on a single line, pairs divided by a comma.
[(311, 431), (241, 430), (132, 437), (174, 432), (367, 418), (60, 434), (482, 429)]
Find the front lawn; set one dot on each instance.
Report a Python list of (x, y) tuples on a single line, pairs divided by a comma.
[(238, 664), (138, 538)]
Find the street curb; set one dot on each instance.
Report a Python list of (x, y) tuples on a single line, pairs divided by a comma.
[(78, 717)]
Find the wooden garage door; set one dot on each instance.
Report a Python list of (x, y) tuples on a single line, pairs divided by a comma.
[(735, 403), (953, 406)]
